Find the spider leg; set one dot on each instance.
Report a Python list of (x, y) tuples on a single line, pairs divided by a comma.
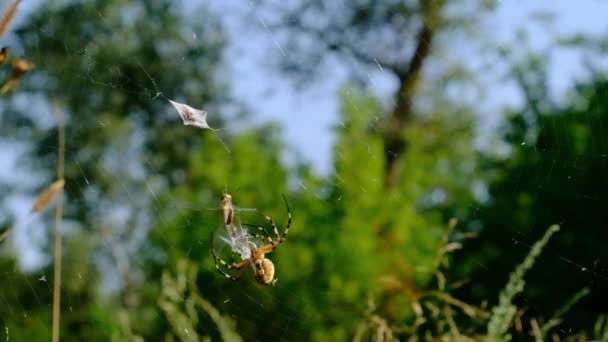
[(286, 231), (217, 260), (268, 249), (233, 266), (274, 227), (266, 235), (242, 264), (279, 238), (283, 237)]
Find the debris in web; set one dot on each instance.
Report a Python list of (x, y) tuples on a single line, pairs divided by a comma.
[(239, 238), (195, 117), (191, 116), (229, 210)]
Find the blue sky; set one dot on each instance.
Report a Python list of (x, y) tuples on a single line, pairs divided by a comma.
[(307, 116)]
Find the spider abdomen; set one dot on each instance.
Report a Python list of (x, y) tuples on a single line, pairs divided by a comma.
[(264, 271)]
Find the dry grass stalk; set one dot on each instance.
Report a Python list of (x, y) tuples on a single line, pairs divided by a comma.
[(468, 309), (11, 84), (372, 321), (58, 215), (6, 233), (536, 330), (8, 16)]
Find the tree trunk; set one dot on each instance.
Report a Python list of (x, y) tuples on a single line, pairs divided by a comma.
[(394, 141)]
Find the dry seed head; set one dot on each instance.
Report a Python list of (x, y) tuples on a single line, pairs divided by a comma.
[(3, 55), (21, 67), (47, 196)]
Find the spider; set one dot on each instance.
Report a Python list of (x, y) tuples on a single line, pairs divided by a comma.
[(263, 268)]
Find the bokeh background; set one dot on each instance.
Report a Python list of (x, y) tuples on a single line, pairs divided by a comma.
[(424, 147)]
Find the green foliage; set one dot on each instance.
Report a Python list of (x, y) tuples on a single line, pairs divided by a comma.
[(362, 261), (601, 328), (25, 310), (366, 243), (104, 62), (503, 313), (179, 301), (556, 319), (554, 172)]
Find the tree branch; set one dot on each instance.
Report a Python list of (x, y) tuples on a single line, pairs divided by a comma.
[(408, 73), (394, 142), (292, 20)]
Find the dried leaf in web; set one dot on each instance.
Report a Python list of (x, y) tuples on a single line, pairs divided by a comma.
[(195, 117), (191, 116)]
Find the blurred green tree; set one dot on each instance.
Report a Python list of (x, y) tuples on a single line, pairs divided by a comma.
[(25, 300), (339, 253), (400, 38), (365, 237), (554, 173), (105, 64)]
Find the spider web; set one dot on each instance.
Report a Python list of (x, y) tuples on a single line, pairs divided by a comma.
[(125, 217)]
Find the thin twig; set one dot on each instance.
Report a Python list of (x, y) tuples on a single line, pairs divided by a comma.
[(468, 309), (536, 330), (58, 215), (556, 319)]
